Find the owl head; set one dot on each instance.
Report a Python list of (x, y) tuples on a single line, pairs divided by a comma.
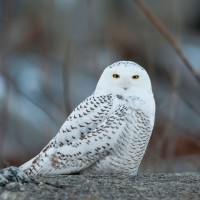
[(125, 78)]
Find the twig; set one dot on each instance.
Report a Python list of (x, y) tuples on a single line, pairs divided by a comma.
[(163, 30)]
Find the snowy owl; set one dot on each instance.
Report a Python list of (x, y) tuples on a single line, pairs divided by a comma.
[(108, 132)]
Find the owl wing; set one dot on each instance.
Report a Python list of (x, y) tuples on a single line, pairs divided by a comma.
[(89, 134)]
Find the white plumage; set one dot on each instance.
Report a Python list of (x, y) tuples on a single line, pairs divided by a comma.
[(108, 132)]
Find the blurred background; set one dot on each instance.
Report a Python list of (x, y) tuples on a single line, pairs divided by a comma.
[(52, 53)]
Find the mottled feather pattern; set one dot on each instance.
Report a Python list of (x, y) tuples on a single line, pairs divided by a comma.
[(80, 126), (126, 154), (107, 133), (86, 117)]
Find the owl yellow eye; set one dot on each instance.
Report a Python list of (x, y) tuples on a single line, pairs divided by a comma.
[(135, 77), (116, 76)]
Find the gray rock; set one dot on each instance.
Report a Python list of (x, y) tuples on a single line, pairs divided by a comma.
[(142, 186), (8, 195), (13, 174), (12, 185)]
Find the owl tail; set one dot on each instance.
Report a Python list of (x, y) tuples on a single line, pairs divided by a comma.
[(37, 165), (26, 165), (40, 163)]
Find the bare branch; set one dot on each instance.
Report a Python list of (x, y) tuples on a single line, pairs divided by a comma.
[(163, 30)]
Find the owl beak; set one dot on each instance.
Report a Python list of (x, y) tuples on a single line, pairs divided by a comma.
[(125, 85)]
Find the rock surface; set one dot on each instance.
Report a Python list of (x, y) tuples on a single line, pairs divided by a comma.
[(13, 174), (143, 186)]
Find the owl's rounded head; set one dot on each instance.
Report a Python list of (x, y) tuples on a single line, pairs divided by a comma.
[(124, 77)]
